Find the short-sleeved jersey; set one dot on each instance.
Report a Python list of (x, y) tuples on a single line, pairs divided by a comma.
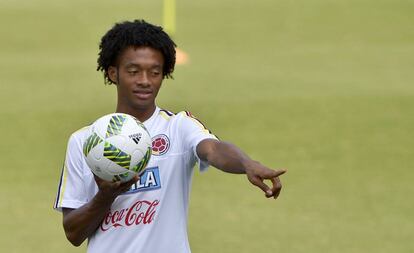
[(152, 215)]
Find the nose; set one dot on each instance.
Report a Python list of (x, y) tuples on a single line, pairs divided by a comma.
[(143, 79)]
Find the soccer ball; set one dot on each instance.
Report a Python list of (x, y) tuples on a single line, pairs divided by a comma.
[(118, 147)]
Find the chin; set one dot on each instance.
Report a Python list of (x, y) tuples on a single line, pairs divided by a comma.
[(144, 106)]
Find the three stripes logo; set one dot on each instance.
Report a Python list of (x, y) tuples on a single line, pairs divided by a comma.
[(136, 137)]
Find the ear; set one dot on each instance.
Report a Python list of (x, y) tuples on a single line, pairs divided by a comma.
[(113, 74)]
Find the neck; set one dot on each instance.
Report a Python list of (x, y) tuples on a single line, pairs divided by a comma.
[(141, 114)]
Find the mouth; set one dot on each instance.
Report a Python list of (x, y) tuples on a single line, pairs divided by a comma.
[(143, 94)]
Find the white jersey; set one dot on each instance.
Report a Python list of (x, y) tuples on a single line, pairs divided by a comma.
[(152, 215)]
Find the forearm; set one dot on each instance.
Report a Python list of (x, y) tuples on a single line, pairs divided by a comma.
[(227, 157), (81, 223)]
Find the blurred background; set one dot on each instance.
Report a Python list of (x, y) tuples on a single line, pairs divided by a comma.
[(323, 88)]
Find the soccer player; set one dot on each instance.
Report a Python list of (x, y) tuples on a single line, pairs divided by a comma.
[(147, 213)]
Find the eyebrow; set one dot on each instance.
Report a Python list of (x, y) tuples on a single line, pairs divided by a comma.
[(131, 64)]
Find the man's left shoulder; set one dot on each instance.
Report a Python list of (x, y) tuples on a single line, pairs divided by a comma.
[(168, 115)]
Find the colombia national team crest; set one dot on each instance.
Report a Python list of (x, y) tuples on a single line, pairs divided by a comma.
[(160, 144)]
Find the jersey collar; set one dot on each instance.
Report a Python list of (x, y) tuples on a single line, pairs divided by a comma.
[(148, 123)]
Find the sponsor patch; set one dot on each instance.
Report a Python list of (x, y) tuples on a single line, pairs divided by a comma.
[(140, 213), (148, 180)]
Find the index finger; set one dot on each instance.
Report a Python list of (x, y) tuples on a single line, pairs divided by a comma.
[(274, 173)]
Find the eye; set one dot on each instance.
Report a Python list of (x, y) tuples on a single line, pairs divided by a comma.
[(155, 72), (132, 72)]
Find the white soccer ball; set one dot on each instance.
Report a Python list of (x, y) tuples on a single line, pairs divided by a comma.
[(118, 147)]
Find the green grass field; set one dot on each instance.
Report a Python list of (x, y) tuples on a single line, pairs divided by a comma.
[(324, 88)]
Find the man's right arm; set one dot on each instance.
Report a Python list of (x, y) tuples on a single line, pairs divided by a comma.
[(82, 222)]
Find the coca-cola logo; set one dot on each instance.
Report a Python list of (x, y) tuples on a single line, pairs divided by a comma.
[(141, 212)]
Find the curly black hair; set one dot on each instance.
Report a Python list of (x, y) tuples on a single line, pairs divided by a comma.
[(135, 33)]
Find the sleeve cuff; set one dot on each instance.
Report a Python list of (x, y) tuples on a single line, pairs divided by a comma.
[(74, 204), (202, 165)]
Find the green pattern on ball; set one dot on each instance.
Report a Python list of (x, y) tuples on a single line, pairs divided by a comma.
[(144, 162), (115, 125), (139, 123), (90, 143), (116, 155)]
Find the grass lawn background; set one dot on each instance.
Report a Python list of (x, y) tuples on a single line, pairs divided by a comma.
[(323, 88)]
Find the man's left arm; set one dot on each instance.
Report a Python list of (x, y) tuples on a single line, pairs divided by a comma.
[(229, 158)]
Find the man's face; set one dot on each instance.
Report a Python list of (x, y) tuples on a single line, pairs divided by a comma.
[(138, 78)]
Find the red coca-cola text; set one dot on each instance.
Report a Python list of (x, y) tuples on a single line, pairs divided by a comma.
[(141, 212)]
